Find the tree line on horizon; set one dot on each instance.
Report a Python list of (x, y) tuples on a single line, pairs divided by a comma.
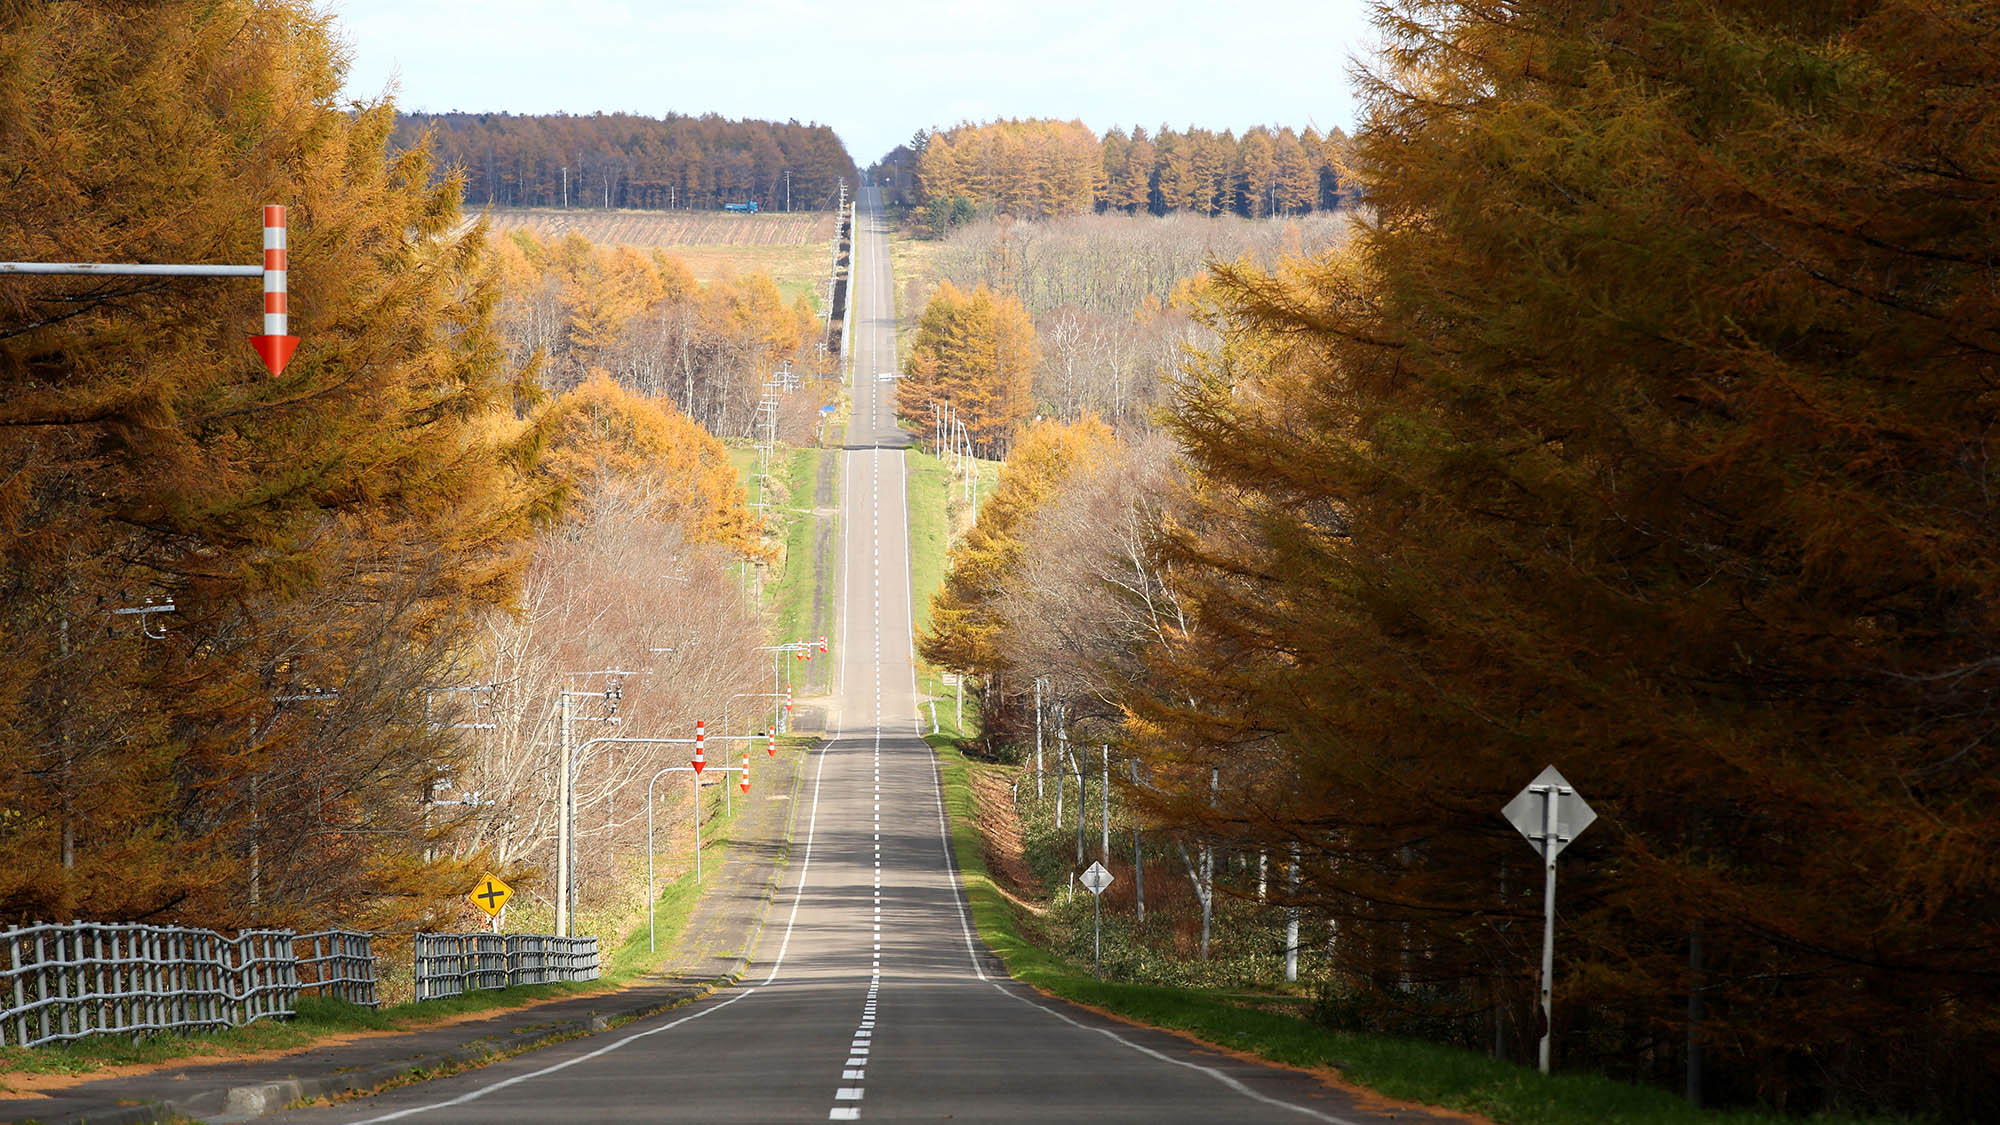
[(1643, 430), (1041, 168), (625, 160)]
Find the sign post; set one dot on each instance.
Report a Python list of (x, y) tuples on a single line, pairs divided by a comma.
[(1551, 814), (1095, 878)]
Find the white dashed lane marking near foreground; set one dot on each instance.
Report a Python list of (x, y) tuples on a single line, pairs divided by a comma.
[(847, 1096)]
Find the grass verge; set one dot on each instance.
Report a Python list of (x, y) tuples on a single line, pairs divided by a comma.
[(793, 505), (929, 484), (1398, 1068), (937, 517)]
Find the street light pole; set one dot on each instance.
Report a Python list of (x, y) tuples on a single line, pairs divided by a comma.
[(778, 652), (652, 890), (562, 825)]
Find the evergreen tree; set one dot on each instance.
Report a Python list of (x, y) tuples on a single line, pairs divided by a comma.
[(1640, 434), (329, 531), (976, 353), (965, 627)]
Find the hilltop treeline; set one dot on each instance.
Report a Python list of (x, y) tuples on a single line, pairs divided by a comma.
[(1040, 168), (1643, 430), (626, 160)]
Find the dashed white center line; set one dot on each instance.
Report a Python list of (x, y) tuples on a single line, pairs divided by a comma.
[(855, 1070)]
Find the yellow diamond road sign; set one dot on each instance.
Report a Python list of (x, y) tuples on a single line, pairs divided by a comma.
[(490, 895)]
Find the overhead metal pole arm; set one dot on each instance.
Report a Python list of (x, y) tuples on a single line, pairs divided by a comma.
[(275, 346), (130, 269)]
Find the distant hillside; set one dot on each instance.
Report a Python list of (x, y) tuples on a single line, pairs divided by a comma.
[(621, 160)]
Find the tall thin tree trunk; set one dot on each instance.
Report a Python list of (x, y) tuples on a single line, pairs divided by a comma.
[(1077, 762)]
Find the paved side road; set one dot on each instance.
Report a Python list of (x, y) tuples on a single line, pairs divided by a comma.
[(710, 952)]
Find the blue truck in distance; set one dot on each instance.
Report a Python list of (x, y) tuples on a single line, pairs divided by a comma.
[(749, 208)]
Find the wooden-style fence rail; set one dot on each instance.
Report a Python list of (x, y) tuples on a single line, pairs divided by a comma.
[(451, 964), (71, 980)]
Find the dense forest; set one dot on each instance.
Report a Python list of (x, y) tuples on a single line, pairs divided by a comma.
[(246, 621), (1643, 429), (1039, 169), (615, 160)]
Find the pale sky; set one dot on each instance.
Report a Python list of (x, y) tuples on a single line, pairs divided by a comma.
[(875, 70)]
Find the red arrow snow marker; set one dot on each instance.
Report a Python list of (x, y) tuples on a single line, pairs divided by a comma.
[(274, 347)]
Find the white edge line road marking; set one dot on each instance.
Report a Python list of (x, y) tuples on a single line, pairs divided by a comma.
[(777, 963)]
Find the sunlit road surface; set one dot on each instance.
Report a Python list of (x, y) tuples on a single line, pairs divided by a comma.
[(868, 997)]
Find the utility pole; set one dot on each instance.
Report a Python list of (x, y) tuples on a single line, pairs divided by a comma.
[(566, 803), (562, 824)]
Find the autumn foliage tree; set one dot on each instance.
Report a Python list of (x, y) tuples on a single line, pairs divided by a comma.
[(966, 627), (325, 537), (974, 352), (634, 574), (1642, 432), (673, 471)]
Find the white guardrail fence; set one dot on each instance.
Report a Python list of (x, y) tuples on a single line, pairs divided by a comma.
[(69, 981), (77, 979), (450, 964)]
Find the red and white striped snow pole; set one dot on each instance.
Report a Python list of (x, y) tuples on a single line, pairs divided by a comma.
[(275, 346), (745, 783), (700, 731)]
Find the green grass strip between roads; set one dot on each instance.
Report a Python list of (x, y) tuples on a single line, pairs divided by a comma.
[(936, 507), (792, 494), (1398, 1068)]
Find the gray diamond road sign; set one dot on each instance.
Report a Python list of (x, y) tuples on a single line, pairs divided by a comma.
[(1095, 878), (1528, 813)]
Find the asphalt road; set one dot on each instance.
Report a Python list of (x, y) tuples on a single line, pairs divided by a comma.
[(869, 998)]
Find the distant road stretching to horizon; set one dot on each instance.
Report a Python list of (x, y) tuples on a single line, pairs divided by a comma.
[(868, 997)]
